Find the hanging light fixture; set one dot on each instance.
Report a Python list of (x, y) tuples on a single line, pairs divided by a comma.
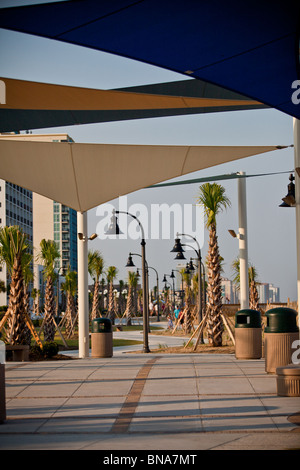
[(191, 266), (187, 269), (130, 263), (289, 200), (177, 248), (113, 228), (179, 256)]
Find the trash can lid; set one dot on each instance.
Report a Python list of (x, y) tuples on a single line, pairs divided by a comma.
[(248, 318), (101, 324), (291, 369), (281, 320)]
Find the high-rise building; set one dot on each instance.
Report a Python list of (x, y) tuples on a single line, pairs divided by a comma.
[(274, 294), (39, 216), (230, 294), (15, 209)]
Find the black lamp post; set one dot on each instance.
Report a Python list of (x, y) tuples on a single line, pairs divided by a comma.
[(157, 280), (115, 230), (165, 280), (182, 290), (178, 248)]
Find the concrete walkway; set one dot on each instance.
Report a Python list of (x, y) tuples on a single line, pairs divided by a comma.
[(134, 402)]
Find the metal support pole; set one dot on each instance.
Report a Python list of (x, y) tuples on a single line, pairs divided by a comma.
[(199, 257), (243, 242), (157, 297), (145, 299), (83, 303), (296, 125)]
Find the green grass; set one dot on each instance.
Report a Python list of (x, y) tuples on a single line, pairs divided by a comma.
[(73, 342), (125, 342)]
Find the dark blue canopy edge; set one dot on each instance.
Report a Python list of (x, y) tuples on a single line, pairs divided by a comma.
[(251, 48)]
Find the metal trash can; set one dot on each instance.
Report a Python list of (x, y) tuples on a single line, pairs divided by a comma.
[(248, 334), (101, 338), (280, 333), (288, 380)]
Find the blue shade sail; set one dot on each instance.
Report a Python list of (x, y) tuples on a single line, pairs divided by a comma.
[(251, 48)]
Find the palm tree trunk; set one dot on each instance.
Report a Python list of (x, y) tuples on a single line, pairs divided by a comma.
[(214, 291), (129, 307), (27, 311), (71, 314), (253, 298), (187, 313), (49, 327), (17, 324), (111, 304), (96, 303)]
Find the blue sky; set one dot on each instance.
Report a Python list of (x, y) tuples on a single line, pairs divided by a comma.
[(271, 230)]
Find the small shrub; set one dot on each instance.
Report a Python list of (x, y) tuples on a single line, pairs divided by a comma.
[(50, 349), (36, 352)]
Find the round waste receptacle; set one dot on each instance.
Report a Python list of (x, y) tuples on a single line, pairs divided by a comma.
[(101, 338), (248, 334), (280, 333)]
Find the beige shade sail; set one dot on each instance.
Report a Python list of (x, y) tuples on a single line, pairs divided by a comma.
[(83, 176)]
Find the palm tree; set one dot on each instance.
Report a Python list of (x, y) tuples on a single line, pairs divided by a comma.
[(48, 255), (188, 301), (252, 276), (111, 275), (213, 199), (167, 308), (253, 294), (95, 267), (35, 293), (70, 288), (132, 284), (15, 252), (121, 303), (28, 277)]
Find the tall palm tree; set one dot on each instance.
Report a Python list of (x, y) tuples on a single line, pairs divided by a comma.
[(213, 200), (188, 301), (35, 293), (15, 253), (70, 288), (111, 274), (252, 276), (102, 298), (28, 277), (49, 254), (132, 284), (95, 267), (167, 307), (121, 303)]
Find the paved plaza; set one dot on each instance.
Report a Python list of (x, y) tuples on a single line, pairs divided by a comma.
[(135, 401)]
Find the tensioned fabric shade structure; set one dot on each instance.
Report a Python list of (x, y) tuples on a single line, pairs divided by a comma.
[(83, 176), (251, 48), (33, 105)]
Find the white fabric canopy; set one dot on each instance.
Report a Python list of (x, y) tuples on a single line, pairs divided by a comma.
[(83, 176)]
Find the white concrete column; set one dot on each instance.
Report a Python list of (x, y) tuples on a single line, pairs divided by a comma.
[(243, 242), (296, 123), (83, 302)]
